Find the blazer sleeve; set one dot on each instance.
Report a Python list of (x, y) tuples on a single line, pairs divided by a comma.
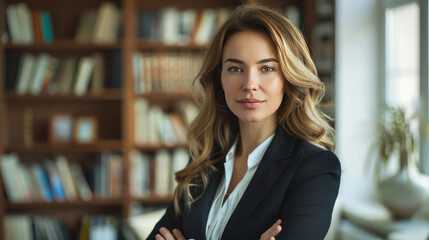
[(311, 196), (169, 221)]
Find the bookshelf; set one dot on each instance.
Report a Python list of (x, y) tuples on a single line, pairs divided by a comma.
[(113, 105)]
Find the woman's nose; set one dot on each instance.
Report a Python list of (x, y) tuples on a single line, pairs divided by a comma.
[(251, 82)]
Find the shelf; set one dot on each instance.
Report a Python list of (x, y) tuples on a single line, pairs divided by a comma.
[(158, 147), (151, 45), (64, 44), (154, 199), (166, 96), (66, 204), (105, 95), (46, 148)]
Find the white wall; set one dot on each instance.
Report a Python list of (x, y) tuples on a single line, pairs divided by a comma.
[(357, 66)]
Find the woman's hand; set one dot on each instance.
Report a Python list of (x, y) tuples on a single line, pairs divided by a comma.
[(272, 231), (165, 234)]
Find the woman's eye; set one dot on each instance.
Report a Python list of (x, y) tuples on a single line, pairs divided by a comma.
[(234, 69), (267, 69)]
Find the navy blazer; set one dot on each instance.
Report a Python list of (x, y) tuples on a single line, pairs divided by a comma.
[(296, 182)]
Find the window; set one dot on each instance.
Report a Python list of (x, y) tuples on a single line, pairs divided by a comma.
[(405, 64)]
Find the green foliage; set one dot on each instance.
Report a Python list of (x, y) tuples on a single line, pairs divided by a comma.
[(394, 136)]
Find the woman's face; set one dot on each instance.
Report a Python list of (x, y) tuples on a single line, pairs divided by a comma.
[(251, 77)]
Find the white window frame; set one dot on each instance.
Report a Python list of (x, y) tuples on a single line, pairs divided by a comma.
[(424, 78)]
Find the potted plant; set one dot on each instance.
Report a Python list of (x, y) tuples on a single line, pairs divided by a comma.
[(395, 141)]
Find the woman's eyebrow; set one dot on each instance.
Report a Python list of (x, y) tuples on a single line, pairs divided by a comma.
[(234, 60), (267, 60)]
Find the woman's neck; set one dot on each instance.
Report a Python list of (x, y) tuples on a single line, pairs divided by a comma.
[(251, 135)]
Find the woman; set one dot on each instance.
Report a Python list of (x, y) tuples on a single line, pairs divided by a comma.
[(262, 166)]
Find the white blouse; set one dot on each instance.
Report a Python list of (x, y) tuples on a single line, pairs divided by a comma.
[(219, 214)]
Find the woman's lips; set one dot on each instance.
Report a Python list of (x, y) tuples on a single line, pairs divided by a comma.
[(250, 102)]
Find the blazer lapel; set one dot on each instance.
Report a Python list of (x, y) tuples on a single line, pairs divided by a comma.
[(272, 165), (201, 208)]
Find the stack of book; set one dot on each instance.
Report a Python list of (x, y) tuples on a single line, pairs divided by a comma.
[(155, 175), (164, 72), (46, 74), (153, 126), (48, 181), (108, 175), (59, 180), (99, 25), (181, 27), (26, 26), (26, 227)]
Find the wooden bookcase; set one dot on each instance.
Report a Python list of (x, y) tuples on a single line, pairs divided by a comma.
[(113, 107)]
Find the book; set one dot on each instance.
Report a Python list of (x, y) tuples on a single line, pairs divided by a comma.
[(143, 224), (169, 18), (36, 183), (84, 73), (139, 175), (9, 164), (48, 79), (179, 128), (180, 159), (84, 228), (13, 23), (97, 81), (205, 27), (47, 28), (167, 133), (66, 77), (38, 72), (24, 21), (43, 181), (55, 180), (161, 179), (37, 26), (24, 183), (186, 24), (25, 73), (18, 227), (141, 135), (66, 177), (116, 170), (106, 23), (148, 25), (138, 83), (81, 183), (154, 118), (105, 173), (86, 26), (57, 67)]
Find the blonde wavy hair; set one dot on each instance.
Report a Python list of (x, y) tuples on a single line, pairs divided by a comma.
[(215, 128)]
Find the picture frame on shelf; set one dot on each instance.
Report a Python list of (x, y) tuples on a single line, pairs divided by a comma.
[(61, 128), (85, 129)]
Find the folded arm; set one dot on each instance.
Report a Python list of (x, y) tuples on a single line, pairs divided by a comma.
[(311, 197)]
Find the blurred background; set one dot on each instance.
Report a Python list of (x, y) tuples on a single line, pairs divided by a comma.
[(95, 101)]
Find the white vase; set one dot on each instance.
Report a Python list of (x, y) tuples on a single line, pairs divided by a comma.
[(402, 194)]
